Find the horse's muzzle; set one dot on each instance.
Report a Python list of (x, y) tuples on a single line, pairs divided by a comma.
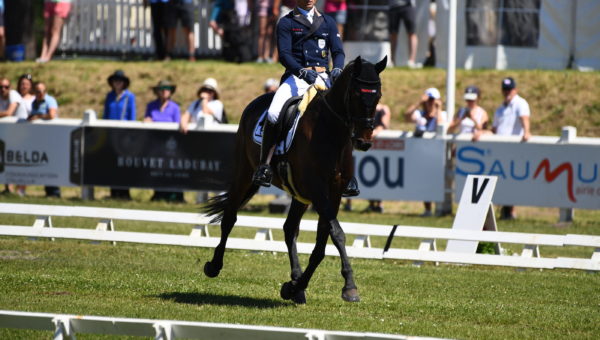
[(361, 144)]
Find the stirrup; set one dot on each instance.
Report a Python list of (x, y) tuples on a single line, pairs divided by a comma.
[(263, 176), (352, 189)]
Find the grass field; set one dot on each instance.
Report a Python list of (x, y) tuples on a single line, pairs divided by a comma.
[(160, 282), (557, 98)]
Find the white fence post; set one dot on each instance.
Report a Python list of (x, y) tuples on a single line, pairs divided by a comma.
[(568, 134)]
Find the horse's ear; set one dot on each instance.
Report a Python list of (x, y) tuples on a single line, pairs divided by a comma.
[(357, 66), (380, 66)]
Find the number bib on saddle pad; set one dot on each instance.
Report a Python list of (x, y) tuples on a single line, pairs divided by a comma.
[(284, 146)]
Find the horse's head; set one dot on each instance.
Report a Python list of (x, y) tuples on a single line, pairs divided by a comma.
[(362, 95)]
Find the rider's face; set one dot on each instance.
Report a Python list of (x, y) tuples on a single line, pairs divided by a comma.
[(306, 4)]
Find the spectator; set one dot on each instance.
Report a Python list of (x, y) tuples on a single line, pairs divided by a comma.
[(163, 109), (207, 106), (427, 118), (45, 107), (285, 6), (119, 105), (158, 12), (383, 116), (511, 119), (218, 14), (472, 118), (25, 89), (403, 10), (337, 9), (430, 58), (267, 18), (10, 101), (271, 85), (2, 33), (181, 10), (55, 14)]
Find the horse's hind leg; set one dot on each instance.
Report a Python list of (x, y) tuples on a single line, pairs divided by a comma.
[(290, 228), (349, 292), (240, 192)]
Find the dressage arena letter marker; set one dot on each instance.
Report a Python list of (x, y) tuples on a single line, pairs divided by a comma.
[(475, 212)]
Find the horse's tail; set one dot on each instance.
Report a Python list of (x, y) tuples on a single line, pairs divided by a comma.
[(215, 207)]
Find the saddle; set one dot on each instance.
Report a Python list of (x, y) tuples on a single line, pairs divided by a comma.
[(288, 119)]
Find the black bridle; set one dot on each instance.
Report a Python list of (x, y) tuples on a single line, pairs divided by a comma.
[(349, 120)]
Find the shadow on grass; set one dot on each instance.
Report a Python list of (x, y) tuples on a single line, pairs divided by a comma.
[(221, 300)]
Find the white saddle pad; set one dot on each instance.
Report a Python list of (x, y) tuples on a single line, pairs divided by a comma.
[(283, 146)]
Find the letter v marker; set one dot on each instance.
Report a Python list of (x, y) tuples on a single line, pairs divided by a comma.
[(476, 193)]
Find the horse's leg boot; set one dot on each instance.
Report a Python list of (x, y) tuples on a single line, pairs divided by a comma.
[(352, 188), (263, 174)]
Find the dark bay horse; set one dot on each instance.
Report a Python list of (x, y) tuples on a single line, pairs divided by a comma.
[(319, 163)]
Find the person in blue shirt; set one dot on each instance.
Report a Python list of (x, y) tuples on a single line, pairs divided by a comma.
[(120, 102), (306, 40), (45, 107), (119, 105)]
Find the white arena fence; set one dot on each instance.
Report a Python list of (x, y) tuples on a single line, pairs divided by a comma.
[(561, 172), (67, 326), (360, 247), (124, 27)]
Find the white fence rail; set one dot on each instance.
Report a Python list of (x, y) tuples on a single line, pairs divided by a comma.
[(66, 326), (263, 240), (117, 27)]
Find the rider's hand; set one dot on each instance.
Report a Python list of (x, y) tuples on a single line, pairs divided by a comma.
[(334, 74), (309, 76)]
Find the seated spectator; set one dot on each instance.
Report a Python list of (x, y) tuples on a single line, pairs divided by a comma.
[(207, 106), (55, 14), (45, 107), (10, 101), (427, 114), (271, 85), (472, 118), (163, 109), (119, 105)]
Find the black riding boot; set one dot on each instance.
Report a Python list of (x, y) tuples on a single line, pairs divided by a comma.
[(352, 189), (263, 174)]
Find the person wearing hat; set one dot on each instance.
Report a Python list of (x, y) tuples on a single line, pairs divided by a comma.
[(120, 102), (427, 114), (472, 118), (119, 105), (511, 119), (207, 105), (163, 109)]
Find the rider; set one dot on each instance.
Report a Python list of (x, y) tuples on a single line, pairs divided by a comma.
[(305, 38)]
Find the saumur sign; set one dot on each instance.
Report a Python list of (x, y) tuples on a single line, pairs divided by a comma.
[(534, 174)]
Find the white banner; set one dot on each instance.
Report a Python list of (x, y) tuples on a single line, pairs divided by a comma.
[(399, 168), (534, 174), (35, 153)]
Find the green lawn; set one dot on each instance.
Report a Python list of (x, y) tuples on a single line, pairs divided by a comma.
[(160, 282)]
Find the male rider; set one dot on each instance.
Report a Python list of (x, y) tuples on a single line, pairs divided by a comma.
[(305, 40)]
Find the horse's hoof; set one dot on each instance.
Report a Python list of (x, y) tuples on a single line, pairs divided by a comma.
[(289, 292), (210, 270), (350, 295)]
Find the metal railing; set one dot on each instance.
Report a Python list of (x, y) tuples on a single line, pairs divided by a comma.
[(124, 27)]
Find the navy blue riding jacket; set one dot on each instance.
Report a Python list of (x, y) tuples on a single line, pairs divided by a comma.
[(299, 49)]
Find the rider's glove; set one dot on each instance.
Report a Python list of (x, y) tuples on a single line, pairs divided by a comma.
[(309, 76), (334, 74)]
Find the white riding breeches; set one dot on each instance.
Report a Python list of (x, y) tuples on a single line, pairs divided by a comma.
[(291, 87)]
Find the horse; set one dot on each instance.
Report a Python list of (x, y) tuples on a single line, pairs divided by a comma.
[(316, 169)]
